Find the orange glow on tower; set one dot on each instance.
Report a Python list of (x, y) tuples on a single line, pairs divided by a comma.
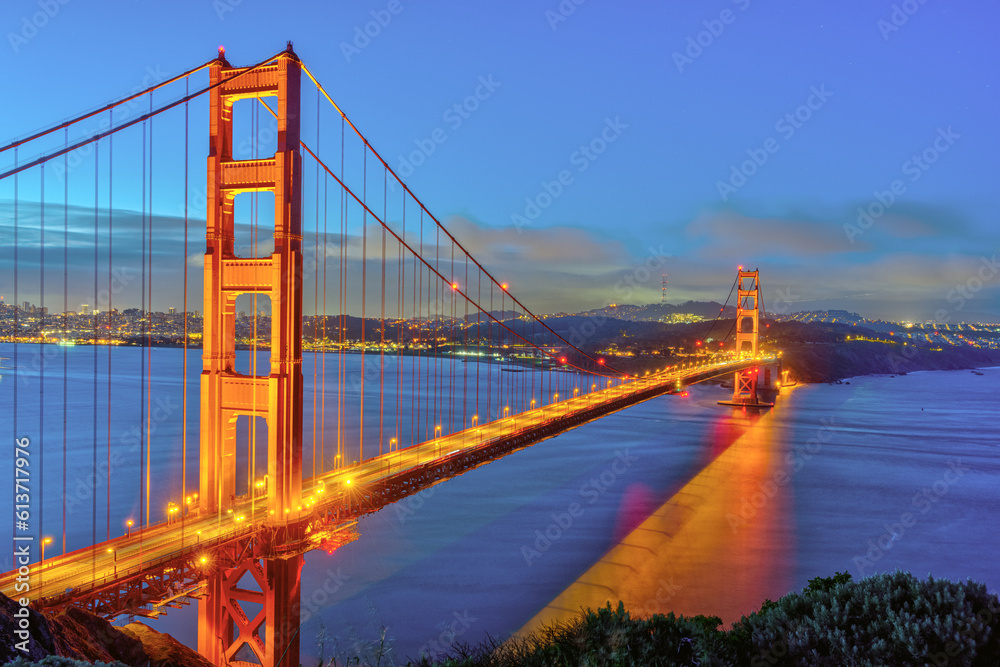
[(223, 628), (747, 336)]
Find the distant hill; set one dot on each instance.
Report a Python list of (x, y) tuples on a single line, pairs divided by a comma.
[(661, 312), (818, 351)]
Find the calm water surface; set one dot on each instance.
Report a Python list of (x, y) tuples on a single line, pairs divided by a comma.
[(677, 503)]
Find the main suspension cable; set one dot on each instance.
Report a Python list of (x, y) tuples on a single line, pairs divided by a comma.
[(135, 121), (443, 228), (108, 107)]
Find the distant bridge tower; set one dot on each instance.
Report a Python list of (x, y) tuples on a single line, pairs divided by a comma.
[(226, 631), (745, 383), (747, 314)]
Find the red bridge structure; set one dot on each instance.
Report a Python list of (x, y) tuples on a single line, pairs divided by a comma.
[(291, 451)]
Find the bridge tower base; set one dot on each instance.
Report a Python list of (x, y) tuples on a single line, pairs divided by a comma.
[(251, 613)]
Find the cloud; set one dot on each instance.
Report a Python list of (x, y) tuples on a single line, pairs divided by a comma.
[(903, 267), (734, 235)]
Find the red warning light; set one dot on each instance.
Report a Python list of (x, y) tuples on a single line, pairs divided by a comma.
[(503, 286), (684, 393), (454, 285), (562, 360), (697, 343), (600, 361)]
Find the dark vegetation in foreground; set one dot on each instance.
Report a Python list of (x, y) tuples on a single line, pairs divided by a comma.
[(886, 619)]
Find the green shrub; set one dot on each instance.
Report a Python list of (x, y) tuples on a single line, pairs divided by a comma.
[(59, 661), (886, 619), (604, 637)]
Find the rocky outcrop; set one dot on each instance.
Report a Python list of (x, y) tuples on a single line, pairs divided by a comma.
[(82, 636)]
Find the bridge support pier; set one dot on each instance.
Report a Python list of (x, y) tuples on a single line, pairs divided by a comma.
[(251, 614)]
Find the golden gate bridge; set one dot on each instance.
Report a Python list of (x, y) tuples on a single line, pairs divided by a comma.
[(412, 416)]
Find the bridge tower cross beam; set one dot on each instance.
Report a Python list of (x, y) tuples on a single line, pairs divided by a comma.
[(226, 394), (223, 629)]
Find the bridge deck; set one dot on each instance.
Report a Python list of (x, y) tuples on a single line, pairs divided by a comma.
[(173, 551)]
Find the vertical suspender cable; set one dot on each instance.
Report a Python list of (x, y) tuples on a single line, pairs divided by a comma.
[(503, 318), (65, 324), (315, 331), (453, 340), (437, 330), (96, 334), (479, 334), (489, 367), (420, 328), (17, 328), (149, 316), (322, 430), (341, 427), (417, 337), (184, 363), (111, 317), (381, 347), (400, 304), (41, 374), (465, 366), (364, 303), (142, 352)]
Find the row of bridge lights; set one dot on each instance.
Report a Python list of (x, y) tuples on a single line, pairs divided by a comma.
[(394, 443), (173, 509)]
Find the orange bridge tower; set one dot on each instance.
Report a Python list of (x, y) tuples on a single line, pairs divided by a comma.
[(228, 631), (745, 383)]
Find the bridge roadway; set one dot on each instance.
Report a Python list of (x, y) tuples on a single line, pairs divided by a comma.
[(165, 564)]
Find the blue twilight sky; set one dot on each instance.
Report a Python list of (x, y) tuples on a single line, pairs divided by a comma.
[(720, 133)]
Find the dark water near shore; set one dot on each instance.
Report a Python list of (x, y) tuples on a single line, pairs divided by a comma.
[(883, 473)]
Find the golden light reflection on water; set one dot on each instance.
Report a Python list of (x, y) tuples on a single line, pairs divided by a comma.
[(719, 546)]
